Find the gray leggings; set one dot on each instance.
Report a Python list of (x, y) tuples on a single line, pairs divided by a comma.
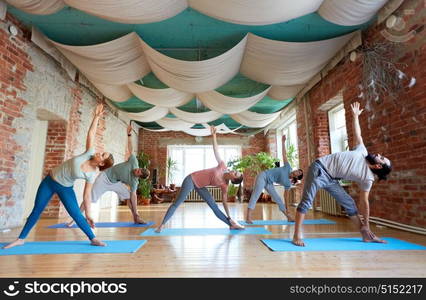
[(186, 188), (261, 183)]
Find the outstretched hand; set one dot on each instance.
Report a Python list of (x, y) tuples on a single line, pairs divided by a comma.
[(213, 130), (99, 110), (129, 129), (90, 221), (355, 109)]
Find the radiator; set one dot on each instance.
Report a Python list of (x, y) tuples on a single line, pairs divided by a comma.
[(214, 191), (329, 205)]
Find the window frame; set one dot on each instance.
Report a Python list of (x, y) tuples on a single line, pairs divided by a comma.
[(184, 173)]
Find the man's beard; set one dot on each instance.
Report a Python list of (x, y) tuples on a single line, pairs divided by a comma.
[(371, 158)]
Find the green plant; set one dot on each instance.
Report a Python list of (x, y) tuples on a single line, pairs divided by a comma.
[(254, 163), (292, 156), (143, 160), (145, 186), (232, 190), (171, 167)]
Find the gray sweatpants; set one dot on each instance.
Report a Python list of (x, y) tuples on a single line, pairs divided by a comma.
[(318, 178), (187, 186)]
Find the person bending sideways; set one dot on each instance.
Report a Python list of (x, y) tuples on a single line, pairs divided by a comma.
[(60, 180), (266, 179), (117, 178), (219, 177), (356, 165)]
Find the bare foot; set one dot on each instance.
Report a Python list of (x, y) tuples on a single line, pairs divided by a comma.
[(138, 220), (369, 237), (298, 242), (235, 225), (70, 223), (159, 228), (18, 242), (96, 242)]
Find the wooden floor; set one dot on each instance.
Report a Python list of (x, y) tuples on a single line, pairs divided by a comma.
[(213, 256)]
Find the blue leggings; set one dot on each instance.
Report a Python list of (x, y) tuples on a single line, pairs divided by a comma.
[(186, 188), (45, 191)]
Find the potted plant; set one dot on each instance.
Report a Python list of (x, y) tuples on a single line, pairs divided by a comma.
[(171, 167), (253, 165), (232, 192), (144, 187)]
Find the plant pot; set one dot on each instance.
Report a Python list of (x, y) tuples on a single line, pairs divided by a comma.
[(172, 186), (145, 201), (232, 198)]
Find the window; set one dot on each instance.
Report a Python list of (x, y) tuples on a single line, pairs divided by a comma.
[(290, 131), (194, 158), (337, 124)]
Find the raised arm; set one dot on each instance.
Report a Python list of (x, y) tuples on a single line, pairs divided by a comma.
[(215, 146), (129, 142), (356, 111), (285, 159), (91, 135)]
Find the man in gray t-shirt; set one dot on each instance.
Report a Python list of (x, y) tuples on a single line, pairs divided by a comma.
[(356, 165)]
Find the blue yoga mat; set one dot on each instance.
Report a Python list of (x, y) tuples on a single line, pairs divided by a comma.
[(204, 231), (106, 224), (72, 247), (285, 222), (339, 244)]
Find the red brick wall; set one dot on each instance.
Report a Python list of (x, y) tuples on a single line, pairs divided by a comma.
[(14, 64), (155, 145), (54, 155), (396, 130)]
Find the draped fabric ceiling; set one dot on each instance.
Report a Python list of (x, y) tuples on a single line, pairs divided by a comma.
[(118, 67)]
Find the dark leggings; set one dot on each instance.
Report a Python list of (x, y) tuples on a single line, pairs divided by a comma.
[(45, 191), (186, 188)]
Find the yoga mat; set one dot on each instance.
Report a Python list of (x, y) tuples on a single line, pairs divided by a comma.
[(339, 244), (204, 231), (106, 224), (72, 247), (285, 222)]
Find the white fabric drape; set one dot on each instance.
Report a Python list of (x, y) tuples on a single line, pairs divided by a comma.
[(130, 11), (248, 12), (229, 105), (253, 119), (196, 76), (40, 40), (255, 12), (287, 63), (150, 115), (221, 129), (161, 97), (118, 93), (350, 12), (197, 118), (284, 92), (116, 62), (174, 124), (39, 7)]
